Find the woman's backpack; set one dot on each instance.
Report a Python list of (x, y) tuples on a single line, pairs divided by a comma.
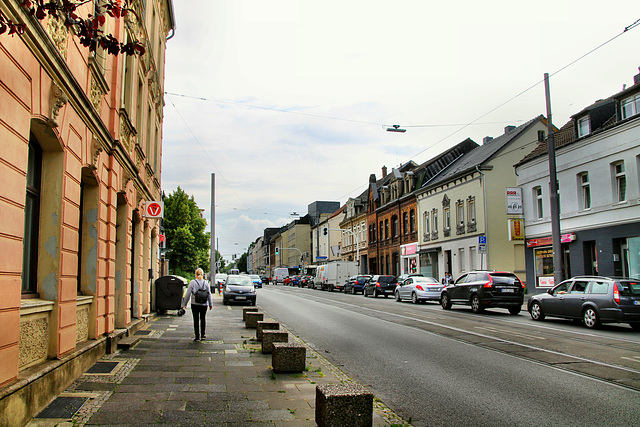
[(201, 294)]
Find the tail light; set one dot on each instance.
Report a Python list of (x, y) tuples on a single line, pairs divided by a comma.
[(419, 287), (616, 294), (489, 283), (377, 284)]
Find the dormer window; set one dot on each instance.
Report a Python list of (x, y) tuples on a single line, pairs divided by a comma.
[(630, 106), (584, 127)]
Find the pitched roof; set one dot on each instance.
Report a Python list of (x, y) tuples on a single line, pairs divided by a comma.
[(481, 154), (562, 137)]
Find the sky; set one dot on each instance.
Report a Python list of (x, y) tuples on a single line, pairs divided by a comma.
[(288, 101)]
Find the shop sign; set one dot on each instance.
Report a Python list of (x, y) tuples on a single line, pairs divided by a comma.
[(153, 209), (516, 229), (411, 249), (514, 201), (547, 241), (546, 281)]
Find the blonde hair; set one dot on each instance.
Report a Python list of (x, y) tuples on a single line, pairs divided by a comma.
[(199, 272)]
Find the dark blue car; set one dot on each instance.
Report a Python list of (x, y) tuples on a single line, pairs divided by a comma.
[(356, 284)]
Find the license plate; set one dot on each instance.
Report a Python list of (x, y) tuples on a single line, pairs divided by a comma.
[(508, 290), (241, 298)]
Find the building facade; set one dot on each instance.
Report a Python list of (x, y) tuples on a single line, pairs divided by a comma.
[(597, 158), (354, 236), (81, 148)]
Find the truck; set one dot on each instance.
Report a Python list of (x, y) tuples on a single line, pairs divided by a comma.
[(334, 275), (279, 274)]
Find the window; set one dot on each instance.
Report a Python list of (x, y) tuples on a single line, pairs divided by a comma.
[(460, 213), (405, 223), (630, 106), (583, 127), (434, 222), (412, 221), (620, 182), (447, 219), (584, 191), (537, 197), (599, 288), (381, 232), (31, 219), (461, 260), (395, 226), (472, 258), (386, 228), (426, 227)]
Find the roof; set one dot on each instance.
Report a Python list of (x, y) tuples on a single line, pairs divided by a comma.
[(562, 137), (482, 154)]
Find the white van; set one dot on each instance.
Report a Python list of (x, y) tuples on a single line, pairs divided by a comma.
[(279, 274), (334, 275)]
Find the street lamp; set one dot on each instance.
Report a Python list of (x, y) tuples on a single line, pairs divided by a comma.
[(396, 128)]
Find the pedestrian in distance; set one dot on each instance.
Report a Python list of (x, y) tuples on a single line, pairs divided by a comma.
[(199, 294)]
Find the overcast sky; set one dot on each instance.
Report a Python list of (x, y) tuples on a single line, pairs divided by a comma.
[(287, 101)]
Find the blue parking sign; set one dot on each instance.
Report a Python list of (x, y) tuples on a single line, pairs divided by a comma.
[(482, 240)]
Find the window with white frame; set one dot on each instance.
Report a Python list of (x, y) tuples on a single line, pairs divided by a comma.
[(460, 212), (461, 260), (471, 209), (425, 225), (537, 197), (584, 191), (584, 128), (630, 106), (472, 258), (447, 219), (434, 222), (620, 181)]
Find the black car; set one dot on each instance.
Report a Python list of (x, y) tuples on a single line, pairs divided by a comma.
[(239, 288), (484, 289), (592, 299), (380, 285), (305, 281)]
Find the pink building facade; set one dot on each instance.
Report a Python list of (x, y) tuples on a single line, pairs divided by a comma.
[(80, 150)]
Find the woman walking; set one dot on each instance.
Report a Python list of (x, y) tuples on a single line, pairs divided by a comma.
[(200, 295)]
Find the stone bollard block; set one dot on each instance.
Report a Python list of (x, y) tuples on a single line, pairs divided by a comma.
[(269, 337), (253, 317), (340, 405), (264, 325), (288, 357), (246, 310)]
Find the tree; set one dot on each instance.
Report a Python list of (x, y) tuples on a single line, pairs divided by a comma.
[(242, 262), (184, 230), (88, 30)]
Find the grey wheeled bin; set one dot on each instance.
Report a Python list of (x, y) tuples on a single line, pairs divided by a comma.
[(169, 292)]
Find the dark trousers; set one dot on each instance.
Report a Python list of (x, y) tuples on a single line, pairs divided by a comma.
[(199, 319)]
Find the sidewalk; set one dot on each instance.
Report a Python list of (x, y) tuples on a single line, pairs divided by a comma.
[(169, 379)]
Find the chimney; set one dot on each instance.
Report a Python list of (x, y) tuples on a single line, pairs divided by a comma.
[(372, 177), (486, 139), (636, 78), (509, 128), (384, 171)]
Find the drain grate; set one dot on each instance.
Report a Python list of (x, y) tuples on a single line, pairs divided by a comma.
[(63, 407), (102, 368), (145, 332)]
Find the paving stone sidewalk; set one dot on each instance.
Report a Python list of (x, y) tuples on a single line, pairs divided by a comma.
[(168, 379)]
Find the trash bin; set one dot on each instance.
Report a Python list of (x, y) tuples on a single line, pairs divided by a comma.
[(169, 292)]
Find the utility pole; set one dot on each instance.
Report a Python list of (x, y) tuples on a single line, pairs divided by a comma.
[(214, 264), (553, 191)]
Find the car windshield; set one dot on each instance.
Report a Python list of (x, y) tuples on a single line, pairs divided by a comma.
[(239, 281), (629, 288)]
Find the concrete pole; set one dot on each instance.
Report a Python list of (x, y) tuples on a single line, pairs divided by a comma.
[(214, 269)]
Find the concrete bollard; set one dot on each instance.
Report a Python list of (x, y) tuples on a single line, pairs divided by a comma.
[(253, 317), (288, 357), (265, 324), (269, 337), (246, 310), (340, 405)]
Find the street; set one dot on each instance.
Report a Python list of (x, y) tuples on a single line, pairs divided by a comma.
[(438, 367)]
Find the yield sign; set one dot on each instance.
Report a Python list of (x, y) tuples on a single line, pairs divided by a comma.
[(153, 209)]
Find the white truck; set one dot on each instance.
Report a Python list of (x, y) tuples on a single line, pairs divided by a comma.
[(279, 274), (334, 275)]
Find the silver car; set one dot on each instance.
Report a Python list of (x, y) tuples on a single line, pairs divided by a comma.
[(418, 289)]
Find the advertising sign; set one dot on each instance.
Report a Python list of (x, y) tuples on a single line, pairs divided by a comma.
[(514, 201), (153, 209), (516, 229)]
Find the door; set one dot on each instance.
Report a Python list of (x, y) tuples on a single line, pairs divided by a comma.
[(553, 305), (575, 299), (455, 290), (404, 291)]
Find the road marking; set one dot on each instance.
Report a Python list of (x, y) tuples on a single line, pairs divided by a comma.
[(633, 359)]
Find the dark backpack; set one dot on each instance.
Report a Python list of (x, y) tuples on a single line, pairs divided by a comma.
[(201, 294)]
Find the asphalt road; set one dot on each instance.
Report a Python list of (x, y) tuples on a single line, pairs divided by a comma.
[(435, 375)]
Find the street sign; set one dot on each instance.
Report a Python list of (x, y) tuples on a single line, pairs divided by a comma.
[(153, 209), (482, 248), (482, 240)]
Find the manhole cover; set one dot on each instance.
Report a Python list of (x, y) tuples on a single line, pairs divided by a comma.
[(102, 368), (62, 407)]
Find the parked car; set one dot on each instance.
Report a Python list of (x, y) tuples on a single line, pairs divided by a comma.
[(219, 280), (593, 299), (294, 280), (239, 288), (356, 283), (484, 289), (286, 280), (265, 280), (403, 277), (418, 289), (257, 281), (380, 285), (304, 281)]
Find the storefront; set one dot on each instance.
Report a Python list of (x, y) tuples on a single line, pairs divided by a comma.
[(409, 259), (543, 259), (429, 262)]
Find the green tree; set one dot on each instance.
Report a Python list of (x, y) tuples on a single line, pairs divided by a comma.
[(184, 229), (242, 262)]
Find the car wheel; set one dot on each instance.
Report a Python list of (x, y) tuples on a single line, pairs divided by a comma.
[(635, 326), (590, 318), (476, 304), (364, 293), (444, 302), (536, 311), (515, 310), (353, 290), (397, 295), (375, 293), (414, 298)]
